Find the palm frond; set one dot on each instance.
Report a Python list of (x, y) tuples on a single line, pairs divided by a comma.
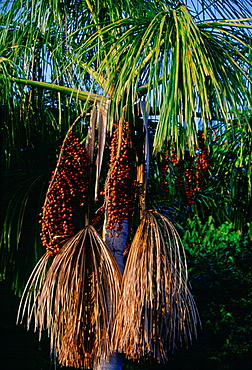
[(224, 9), (102, 129), (187, 68), (157, 311), (76, 300), (19, 243), (32, 287), (78, 94)]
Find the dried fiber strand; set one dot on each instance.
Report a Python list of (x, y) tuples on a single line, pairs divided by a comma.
[(77, 300), (32, 287), (156, 312)]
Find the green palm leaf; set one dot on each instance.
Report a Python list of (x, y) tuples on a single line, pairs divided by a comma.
[(20, 245), (78, 94), (188, 68)]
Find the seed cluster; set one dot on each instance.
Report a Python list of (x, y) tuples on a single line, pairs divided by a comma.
[(202, 162), (119, 188), (189, 170), (189, 179), (164, 169), (65, 196)]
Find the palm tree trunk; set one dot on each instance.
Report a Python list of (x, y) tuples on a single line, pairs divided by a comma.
[(114, 363), (117, 246)]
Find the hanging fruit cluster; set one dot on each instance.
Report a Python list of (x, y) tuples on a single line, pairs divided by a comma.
[(120, 185), (65, 195), (202, 161), (164, 169), (189, 170), (190, 178)]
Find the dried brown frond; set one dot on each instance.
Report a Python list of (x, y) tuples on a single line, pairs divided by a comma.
[(31, 289), (157, 311), (77, 300)]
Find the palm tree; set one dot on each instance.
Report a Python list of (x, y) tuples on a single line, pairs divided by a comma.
[(142, 80)]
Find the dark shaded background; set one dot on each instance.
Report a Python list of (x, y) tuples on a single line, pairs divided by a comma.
[(20, 349)]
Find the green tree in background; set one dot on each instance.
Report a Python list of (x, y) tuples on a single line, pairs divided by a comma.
[(146, 107)]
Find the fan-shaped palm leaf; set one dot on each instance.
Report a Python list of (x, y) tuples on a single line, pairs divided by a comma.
[(76, 300), (157, 311)]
